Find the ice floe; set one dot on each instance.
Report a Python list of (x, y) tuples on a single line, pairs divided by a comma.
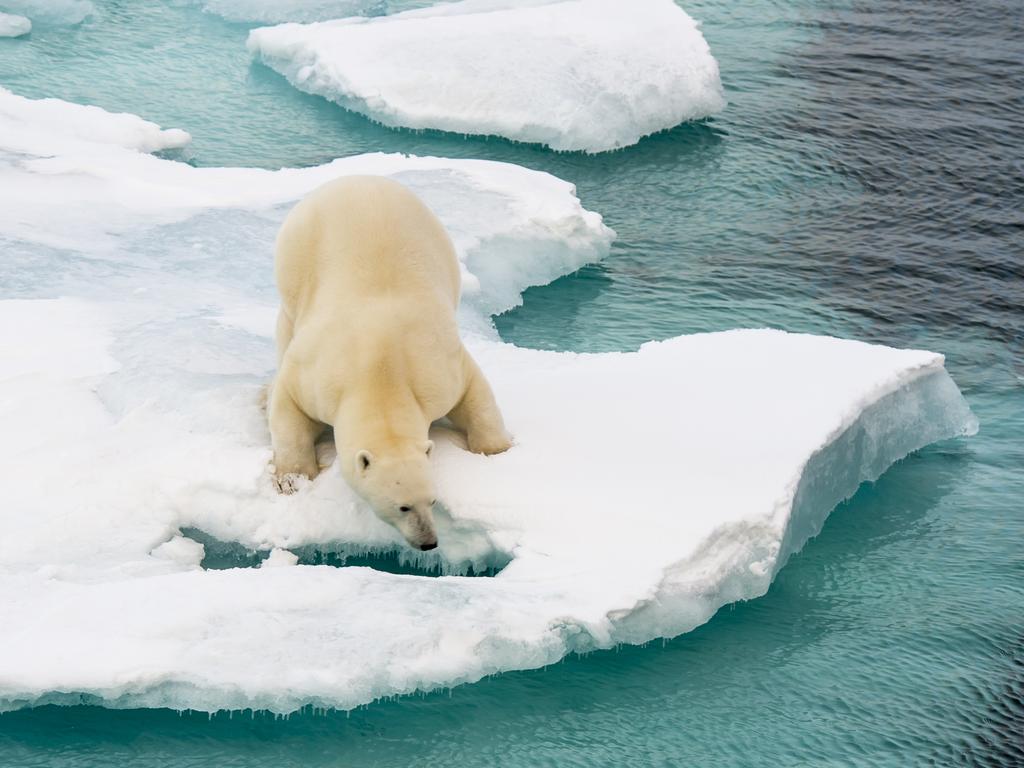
[(646, 489), (12, 25), (517, 226), (590, 75)]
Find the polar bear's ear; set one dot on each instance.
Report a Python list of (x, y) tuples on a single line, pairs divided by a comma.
[(430, 447), (363, 459)]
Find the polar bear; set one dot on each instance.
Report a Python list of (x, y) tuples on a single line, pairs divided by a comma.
[(367, 343)]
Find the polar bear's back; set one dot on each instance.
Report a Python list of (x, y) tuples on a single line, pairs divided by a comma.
[(361, 239)]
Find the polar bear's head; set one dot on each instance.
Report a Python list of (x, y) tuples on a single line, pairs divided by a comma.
[(396, 480)]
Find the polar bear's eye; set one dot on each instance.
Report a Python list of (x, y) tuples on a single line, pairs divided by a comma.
[(405, 509)]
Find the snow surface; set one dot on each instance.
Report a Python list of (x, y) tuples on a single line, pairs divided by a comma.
[(12, 25), (52, 11), (62, 126), (645, 489), (590, 75)]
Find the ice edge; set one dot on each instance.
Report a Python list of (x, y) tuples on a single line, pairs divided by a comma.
[(920, 407)]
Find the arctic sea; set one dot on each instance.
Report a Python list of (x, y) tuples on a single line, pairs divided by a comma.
[(865, 181)]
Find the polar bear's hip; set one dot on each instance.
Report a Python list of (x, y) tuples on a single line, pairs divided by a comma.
[(362, 239)]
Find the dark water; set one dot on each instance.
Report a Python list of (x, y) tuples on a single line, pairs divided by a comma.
[(867, 180)]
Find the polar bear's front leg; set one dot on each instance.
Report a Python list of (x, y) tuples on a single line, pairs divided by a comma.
[(477, 414), (293, 435)]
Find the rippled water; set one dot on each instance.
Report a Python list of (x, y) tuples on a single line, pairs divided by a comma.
[(865, 181)]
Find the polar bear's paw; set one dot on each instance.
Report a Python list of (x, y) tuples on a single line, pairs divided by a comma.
[(489, 443)]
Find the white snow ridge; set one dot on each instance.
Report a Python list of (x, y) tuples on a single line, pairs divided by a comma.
[(53, 123), (644, 490), (591, 75)]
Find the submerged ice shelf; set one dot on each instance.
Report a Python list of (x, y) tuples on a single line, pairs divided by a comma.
[(275, 11), (12, 25), (591, 75), (645, 490)]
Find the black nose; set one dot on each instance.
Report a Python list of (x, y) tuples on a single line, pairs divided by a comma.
[(428, 547)]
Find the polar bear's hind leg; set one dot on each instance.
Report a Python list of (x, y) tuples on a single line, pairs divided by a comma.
[(477, 414)]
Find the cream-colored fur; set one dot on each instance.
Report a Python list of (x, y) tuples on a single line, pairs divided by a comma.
[(367, 343)]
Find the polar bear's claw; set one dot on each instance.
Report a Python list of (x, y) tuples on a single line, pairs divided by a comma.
[(289, 483), (489, 445)]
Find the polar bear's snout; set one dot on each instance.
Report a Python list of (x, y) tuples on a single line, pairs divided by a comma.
[(395, 478), (416, 524)]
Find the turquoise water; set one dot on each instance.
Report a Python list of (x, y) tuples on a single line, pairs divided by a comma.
[(865, 181)]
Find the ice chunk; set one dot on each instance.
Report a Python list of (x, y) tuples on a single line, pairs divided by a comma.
[(182, 550), (62, 126), (52, 11), (12, 25), (589, 75), (644, 491), (279, 558)]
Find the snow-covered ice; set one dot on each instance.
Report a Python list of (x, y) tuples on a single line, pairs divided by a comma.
[(590, 75), (27, 125), (645, 490), (12, 25)]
